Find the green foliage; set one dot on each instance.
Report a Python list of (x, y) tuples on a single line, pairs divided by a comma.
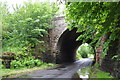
[(93, 72), (85, 51), (78, 55), (1, 65), (96, 72), (25, 60), (24, 28), (96, 19), (29, 63), (3, 10), (116, 57), (27, 25)]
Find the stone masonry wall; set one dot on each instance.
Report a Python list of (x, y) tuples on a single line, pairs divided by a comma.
[(55, 33), (50, 44)]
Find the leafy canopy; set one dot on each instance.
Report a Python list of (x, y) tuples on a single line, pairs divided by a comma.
[(96, 19)]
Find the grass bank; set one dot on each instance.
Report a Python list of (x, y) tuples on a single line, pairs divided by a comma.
[(14, 73)]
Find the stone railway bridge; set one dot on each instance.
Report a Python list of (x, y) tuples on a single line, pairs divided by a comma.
[(61, 43), (60, 47)]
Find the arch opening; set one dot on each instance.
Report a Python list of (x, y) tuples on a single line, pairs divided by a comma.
[(67, 46), (85, 50)]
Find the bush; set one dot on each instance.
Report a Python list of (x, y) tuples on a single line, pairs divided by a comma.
[(27, 25), (24, 28), (16, 64), (25, 60), (1, 65)]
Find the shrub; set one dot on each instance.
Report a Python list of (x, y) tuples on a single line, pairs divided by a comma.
[(27, 25), (25, 60)]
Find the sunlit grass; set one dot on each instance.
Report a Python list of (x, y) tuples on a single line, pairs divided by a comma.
[(11, 73)]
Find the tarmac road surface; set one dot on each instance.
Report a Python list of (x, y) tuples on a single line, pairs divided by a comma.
[(66, 72)]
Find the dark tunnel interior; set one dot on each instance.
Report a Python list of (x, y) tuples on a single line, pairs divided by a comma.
[(67, 45)]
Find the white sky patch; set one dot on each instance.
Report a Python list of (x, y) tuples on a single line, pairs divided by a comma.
[(13, 3)]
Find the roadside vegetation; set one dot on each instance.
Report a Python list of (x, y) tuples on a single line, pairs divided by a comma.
[(17, 72), (93, 72), (22, 30)]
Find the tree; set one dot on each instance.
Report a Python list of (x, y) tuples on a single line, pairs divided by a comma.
[(96, 19), (27, 25)]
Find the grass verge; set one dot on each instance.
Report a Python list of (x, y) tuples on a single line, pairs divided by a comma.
[(14, 73)]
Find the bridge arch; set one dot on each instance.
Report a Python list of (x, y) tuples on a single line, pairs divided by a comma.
[(67, 46)]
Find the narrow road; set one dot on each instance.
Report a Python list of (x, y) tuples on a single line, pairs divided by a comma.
[(64, 72)]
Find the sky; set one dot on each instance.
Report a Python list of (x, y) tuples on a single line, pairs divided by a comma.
[(11, 3)]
